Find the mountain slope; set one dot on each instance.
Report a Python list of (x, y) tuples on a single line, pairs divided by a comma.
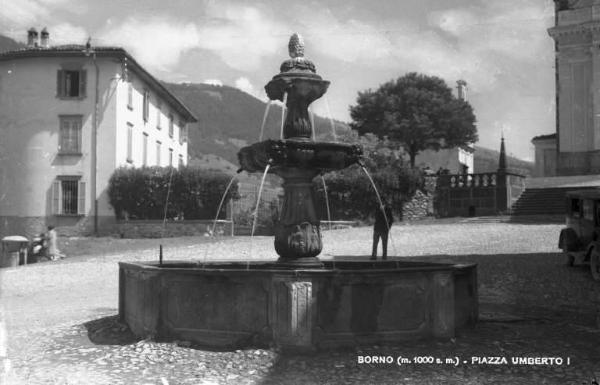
[(486, 160), (229, 119), (8, 44)]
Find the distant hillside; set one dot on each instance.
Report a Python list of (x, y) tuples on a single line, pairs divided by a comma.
[(8, 44), (229, 119), (486, 160)]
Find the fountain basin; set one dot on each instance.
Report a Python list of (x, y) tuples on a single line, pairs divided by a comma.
[(346, 303), (318, 156)]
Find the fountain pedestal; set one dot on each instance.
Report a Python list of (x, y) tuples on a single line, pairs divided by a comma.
[(298, 233)]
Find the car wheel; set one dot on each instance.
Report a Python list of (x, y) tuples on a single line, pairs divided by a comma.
[(570, 260), (570, 257), (595, 264)]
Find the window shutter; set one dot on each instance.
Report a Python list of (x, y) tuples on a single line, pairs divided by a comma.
[(82, 82), (56, 197), (60, 83), (81, 198)]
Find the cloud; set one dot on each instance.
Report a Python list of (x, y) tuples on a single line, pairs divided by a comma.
[(157, 42), (213, 82), (17, 16), (66, 33), (241, 35), (245, 85)]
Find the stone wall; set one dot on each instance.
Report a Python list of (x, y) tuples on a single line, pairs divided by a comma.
[(419, 207), (158, 229)]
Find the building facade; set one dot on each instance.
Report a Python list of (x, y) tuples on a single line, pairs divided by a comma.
[(577, 138), (69, 116)]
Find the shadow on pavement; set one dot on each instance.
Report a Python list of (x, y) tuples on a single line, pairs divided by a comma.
[(109, 331)]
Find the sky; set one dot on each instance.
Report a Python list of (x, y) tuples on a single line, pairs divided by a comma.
[(501, 48)]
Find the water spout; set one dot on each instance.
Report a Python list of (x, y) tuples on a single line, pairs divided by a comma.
[(264, 120), (381, 206), (167, 203), (285, 95), (311, 115), (221, 204), (262, 183), (326, 201), (217, 217), (331, 122)]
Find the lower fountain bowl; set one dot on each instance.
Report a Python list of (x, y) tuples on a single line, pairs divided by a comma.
[(348, 303)]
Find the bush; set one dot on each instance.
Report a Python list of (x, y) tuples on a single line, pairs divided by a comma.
[(141, 193), (267, 217), (352, 197)]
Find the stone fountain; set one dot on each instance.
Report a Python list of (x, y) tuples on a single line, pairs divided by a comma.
[(297, 158), (298, 302)]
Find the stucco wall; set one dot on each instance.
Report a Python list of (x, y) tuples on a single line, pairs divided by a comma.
[(449, 159), (29, 127)]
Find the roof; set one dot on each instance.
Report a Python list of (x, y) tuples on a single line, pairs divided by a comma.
[(588, 193), (74, 50), (544, 137)]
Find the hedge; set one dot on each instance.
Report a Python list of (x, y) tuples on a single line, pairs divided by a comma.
[(141, 193), (352, 197)]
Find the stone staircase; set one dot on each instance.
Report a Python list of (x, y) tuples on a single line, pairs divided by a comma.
[(548, 201)]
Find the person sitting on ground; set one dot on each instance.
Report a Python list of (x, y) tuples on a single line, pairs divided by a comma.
[(383, 222)]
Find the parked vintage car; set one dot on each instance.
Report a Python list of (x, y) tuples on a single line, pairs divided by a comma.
[(580, 240)]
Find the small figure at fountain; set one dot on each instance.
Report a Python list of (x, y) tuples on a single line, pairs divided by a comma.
[(381, 229)]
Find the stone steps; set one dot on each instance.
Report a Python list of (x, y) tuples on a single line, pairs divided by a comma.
[(543, 201)]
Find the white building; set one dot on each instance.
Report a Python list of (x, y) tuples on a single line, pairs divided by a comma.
[(69, 116), (457, 160)]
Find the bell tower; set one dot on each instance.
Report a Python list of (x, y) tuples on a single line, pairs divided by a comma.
[(576, 34)]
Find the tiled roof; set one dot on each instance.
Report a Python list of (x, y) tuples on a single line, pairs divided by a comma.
[(543, 137), (70, 50)]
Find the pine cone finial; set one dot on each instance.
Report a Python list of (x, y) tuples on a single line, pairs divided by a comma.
[(296, 46)]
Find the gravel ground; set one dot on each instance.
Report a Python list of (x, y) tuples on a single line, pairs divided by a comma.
[(61, 325)]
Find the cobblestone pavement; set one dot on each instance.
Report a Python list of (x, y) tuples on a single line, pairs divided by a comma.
[(62, 327)]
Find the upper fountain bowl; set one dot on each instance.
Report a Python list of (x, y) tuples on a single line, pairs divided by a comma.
[(320, 156)]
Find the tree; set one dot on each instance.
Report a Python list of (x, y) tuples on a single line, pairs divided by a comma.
[(416, 111)]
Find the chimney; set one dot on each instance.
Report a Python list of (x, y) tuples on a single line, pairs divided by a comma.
[(45, 38), (461, 88), (32, 38)]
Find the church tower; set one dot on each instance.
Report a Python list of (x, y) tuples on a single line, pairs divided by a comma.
[(577, 43)]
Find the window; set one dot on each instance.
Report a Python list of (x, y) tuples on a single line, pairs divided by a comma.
[(575, 208), (170, 157), (181, 160), (170, 125), (145, 149), (588, 209), (130, 96), (129, 142), (158, 116), (69, 141), (68, 196), (70, 83), (183, 133), (158, 149), (146, 105)]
